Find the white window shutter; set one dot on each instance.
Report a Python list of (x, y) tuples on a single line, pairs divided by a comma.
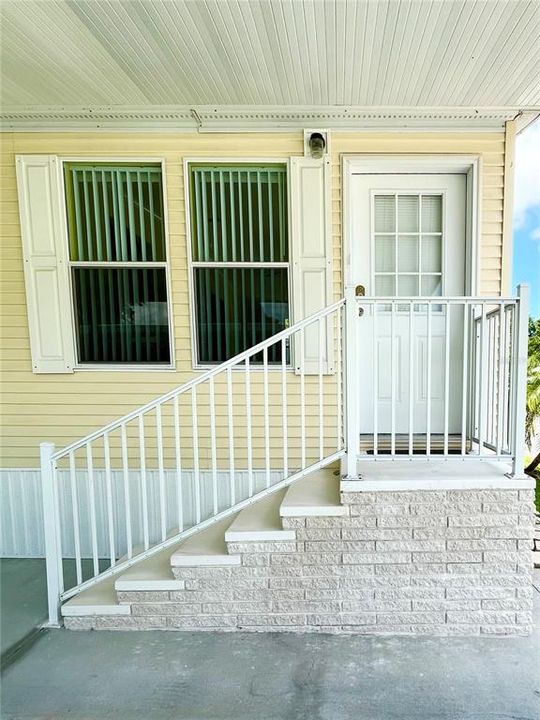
[(45, 264), (311, 206)]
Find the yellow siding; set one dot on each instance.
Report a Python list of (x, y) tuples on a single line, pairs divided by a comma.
[(63, 408)]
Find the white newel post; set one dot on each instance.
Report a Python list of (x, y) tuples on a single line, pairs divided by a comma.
[(351, 384), (520, 393), (50, 530)]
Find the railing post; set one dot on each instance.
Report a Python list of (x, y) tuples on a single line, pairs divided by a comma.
[(520, 379), (351, 399), (50, 530)]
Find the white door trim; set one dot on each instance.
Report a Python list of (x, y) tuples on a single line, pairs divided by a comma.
[(469, 165)]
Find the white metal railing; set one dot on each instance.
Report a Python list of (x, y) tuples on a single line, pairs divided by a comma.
[(445, 377), (194, 455), (455, 370)]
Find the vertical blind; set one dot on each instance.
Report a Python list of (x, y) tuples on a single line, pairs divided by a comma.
[(408, 245), (240, 254), (118, 263)]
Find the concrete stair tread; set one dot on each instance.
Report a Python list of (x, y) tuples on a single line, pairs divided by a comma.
[(206, 547), (260, 521), (100, 599), (317, 494), (152, 574)]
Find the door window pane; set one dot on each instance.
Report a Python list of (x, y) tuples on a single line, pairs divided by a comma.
[(408, 260), (407, 213), (407, 285), (385, 253), (431, 285), (385, 213), (432, 213), (431, 254), (385, 286)]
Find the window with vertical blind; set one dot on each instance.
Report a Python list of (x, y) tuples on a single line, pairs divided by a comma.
[(408, 237), (240, 258), (118, 263)]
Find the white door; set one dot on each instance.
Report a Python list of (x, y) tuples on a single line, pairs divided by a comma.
[(408, 241)]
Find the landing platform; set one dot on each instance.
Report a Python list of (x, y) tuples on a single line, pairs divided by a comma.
[(434, 474)]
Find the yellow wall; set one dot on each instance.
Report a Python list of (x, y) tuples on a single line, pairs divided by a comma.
[(63, 408)]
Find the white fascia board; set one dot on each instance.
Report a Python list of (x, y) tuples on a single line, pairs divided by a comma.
[(224, 118)]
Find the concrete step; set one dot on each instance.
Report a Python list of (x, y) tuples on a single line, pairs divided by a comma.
[(260, 521), (154, 574), (206, 547), (316, 494), (98, 600)]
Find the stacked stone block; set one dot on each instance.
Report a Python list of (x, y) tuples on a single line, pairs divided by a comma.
[(435, 562)]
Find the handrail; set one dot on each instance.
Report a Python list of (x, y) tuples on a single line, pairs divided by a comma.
[(477, 399), (436, 300), (172, 467), (186, 387), (116, 493)]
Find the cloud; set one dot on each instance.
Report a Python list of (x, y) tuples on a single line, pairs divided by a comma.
[(527, 187), (536, 234)]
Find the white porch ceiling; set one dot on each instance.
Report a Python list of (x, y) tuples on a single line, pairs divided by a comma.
[(69, 56)]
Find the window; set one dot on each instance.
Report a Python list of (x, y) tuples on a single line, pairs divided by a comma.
[(408, 245), (118, 263), (240, 258)]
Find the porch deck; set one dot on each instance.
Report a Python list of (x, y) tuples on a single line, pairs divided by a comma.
[(433, 474)]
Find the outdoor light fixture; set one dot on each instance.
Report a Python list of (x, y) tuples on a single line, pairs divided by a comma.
[(317, 144)]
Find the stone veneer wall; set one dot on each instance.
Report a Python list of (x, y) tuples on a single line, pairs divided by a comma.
[(442, 562)]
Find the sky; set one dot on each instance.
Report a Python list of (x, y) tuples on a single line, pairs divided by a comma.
[(526, 265)]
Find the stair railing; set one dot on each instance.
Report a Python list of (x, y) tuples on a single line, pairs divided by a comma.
[(198, 453)]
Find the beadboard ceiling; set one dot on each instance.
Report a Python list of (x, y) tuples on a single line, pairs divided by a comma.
[(183, 54)]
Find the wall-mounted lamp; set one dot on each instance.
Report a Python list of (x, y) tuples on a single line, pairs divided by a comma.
[(317, 144)]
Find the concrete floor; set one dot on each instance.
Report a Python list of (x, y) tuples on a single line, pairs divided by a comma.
[(166, 676), (23, 596)]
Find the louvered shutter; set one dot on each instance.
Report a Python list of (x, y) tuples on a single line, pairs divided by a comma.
[(45, 264)]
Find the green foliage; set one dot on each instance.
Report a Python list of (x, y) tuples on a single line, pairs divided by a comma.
[(533, 377)]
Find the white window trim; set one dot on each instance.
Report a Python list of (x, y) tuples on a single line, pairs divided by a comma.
[(469, 165), (193, 264), (130, 367)]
